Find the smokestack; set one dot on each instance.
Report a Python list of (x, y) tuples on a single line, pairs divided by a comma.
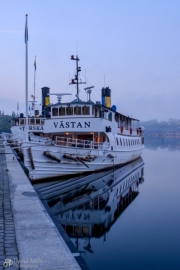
[(45, 100), (106, 97)]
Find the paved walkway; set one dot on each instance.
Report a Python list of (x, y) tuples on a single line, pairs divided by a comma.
[(27, 234), (8, 244)]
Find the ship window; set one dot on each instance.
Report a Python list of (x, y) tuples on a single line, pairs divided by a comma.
[(31, 121), (77, 110), (117, 141), (86, 110), (95, 112), (116, 117), (22, 121), (120, 141), (69, 110), (55, 111), (61, 111), (126, 142), (38, 121), (77, 230), (123, 142), (85, 230), (110, 116)]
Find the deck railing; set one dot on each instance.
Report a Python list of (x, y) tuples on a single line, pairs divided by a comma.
[(128, 130), (70, 142)]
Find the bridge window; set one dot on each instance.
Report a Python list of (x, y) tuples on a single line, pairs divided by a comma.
[(86, 110), (38, 121), (55, 111), (77, 110), (31, 121), (61, 111), (69, 110), (110, 116), (22, 121)]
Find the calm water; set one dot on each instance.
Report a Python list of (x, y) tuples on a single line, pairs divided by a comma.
[(138, 228)]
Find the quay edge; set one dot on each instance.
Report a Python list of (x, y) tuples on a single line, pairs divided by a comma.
[(38, 239)]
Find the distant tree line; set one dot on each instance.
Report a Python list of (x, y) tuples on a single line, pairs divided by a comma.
[(153, 126), (5, 124)]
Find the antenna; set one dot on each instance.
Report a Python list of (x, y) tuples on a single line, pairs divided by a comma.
[(88, 91), (59, 96), (76, 79), (76, 47)]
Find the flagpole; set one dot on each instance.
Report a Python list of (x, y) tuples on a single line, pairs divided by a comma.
[(26, 75), (34, 85)]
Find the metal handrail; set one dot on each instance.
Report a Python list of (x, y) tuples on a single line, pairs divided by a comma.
[(70, 142)]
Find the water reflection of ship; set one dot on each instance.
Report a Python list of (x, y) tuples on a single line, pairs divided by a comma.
[(87, 207)]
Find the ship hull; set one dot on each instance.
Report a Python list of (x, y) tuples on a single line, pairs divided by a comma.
[(71, 161)]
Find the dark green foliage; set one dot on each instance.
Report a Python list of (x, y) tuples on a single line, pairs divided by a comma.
[(153, 126), (5, 124)]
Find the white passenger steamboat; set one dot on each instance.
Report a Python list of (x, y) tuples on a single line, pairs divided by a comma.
[(83, 136)]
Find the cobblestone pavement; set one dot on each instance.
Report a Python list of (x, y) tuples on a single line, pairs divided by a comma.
[(8, 245)]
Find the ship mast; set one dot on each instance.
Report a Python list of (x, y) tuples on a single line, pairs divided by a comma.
[(76, 78), (34, 97), (26, 74)]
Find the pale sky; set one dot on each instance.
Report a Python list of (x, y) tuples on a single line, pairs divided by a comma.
[(134, 44)]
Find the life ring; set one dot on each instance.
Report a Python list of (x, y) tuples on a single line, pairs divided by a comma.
[(137, 131), (121, 129), (130, 130)]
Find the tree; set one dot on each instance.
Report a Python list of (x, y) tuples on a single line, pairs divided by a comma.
[(5, 123)]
